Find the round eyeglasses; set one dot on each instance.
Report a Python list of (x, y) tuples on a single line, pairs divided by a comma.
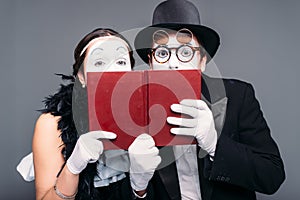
[(183, 36), (184, 53)]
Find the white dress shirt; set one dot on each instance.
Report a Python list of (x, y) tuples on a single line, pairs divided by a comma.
[(187, 169)]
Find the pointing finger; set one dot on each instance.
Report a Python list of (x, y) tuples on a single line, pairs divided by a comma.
[(101, 135)]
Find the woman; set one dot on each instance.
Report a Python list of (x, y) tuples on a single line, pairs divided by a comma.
[(66, 161)]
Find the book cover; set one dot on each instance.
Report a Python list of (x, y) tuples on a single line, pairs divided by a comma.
[(135, 102)]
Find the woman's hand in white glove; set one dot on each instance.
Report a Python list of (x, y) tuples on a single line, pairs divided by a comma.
[(144, 159), (201, 126), (88, 149)]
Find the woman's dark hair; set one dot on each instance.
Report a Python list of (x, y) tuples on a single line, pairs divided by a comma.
[(99, 32)]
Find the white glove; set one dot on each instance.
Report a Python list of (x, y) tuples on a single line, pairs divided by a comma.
[(88, 149), (201, 126), (144, 159)]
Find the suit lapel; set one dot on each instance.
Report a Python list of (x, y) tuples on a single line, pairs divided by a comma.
[(168, 172), (218, 110), (214, 94)]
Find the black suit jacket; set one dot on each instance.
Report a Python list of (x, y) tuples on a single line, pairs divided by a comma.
[(247, 159)]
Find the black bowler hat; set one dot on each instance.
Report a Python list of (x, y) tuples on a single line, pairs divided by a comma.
[(176, 15)]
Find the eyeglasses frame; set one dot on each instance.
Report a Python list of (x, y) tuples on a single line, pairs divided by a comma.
[(194, 49)]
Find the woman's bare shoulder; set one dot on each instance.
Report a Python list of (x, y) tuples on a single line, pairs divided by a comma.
[(47, 120), (46, 130)]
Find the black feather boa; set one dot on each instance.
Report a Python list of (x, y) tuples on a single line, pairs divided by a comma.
[(60, 104)]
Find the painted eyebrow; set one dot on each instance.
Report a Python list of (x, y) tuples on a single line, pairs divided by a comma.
[(120, 47), (96, 49)]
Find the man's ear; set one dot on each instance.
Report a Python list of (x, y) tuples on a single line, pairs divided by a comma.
[(81, 77), (150, 61), (203, 63)]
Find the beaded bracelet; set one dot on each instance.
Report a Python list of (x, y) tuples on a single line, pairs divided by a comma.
[(61, 195)]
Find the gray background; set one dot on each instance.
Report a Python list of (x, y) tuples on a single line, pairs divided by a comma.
[(260, 45)]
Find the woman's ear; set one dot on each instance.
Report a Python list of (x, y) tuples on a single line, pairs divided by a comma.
[(81, 78), (203, 63)]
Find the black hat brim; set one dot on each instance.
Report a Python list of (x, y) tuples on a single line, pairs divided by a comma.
[(209, 38)]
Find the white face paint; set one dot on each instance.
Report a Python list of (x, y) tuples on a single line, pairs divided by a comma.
[(108, 53), (173, 63)]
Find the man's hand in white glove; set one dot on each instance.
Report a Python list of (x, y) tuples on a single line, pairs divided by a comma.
[(88, 149), (144, 159), (201, 126)]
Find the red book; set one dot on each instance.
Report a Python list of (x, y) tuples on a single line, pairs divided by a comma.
[(135, 102)]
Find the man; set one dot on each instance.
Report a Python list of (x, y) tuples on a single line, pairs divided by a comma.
[(241, 157)]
